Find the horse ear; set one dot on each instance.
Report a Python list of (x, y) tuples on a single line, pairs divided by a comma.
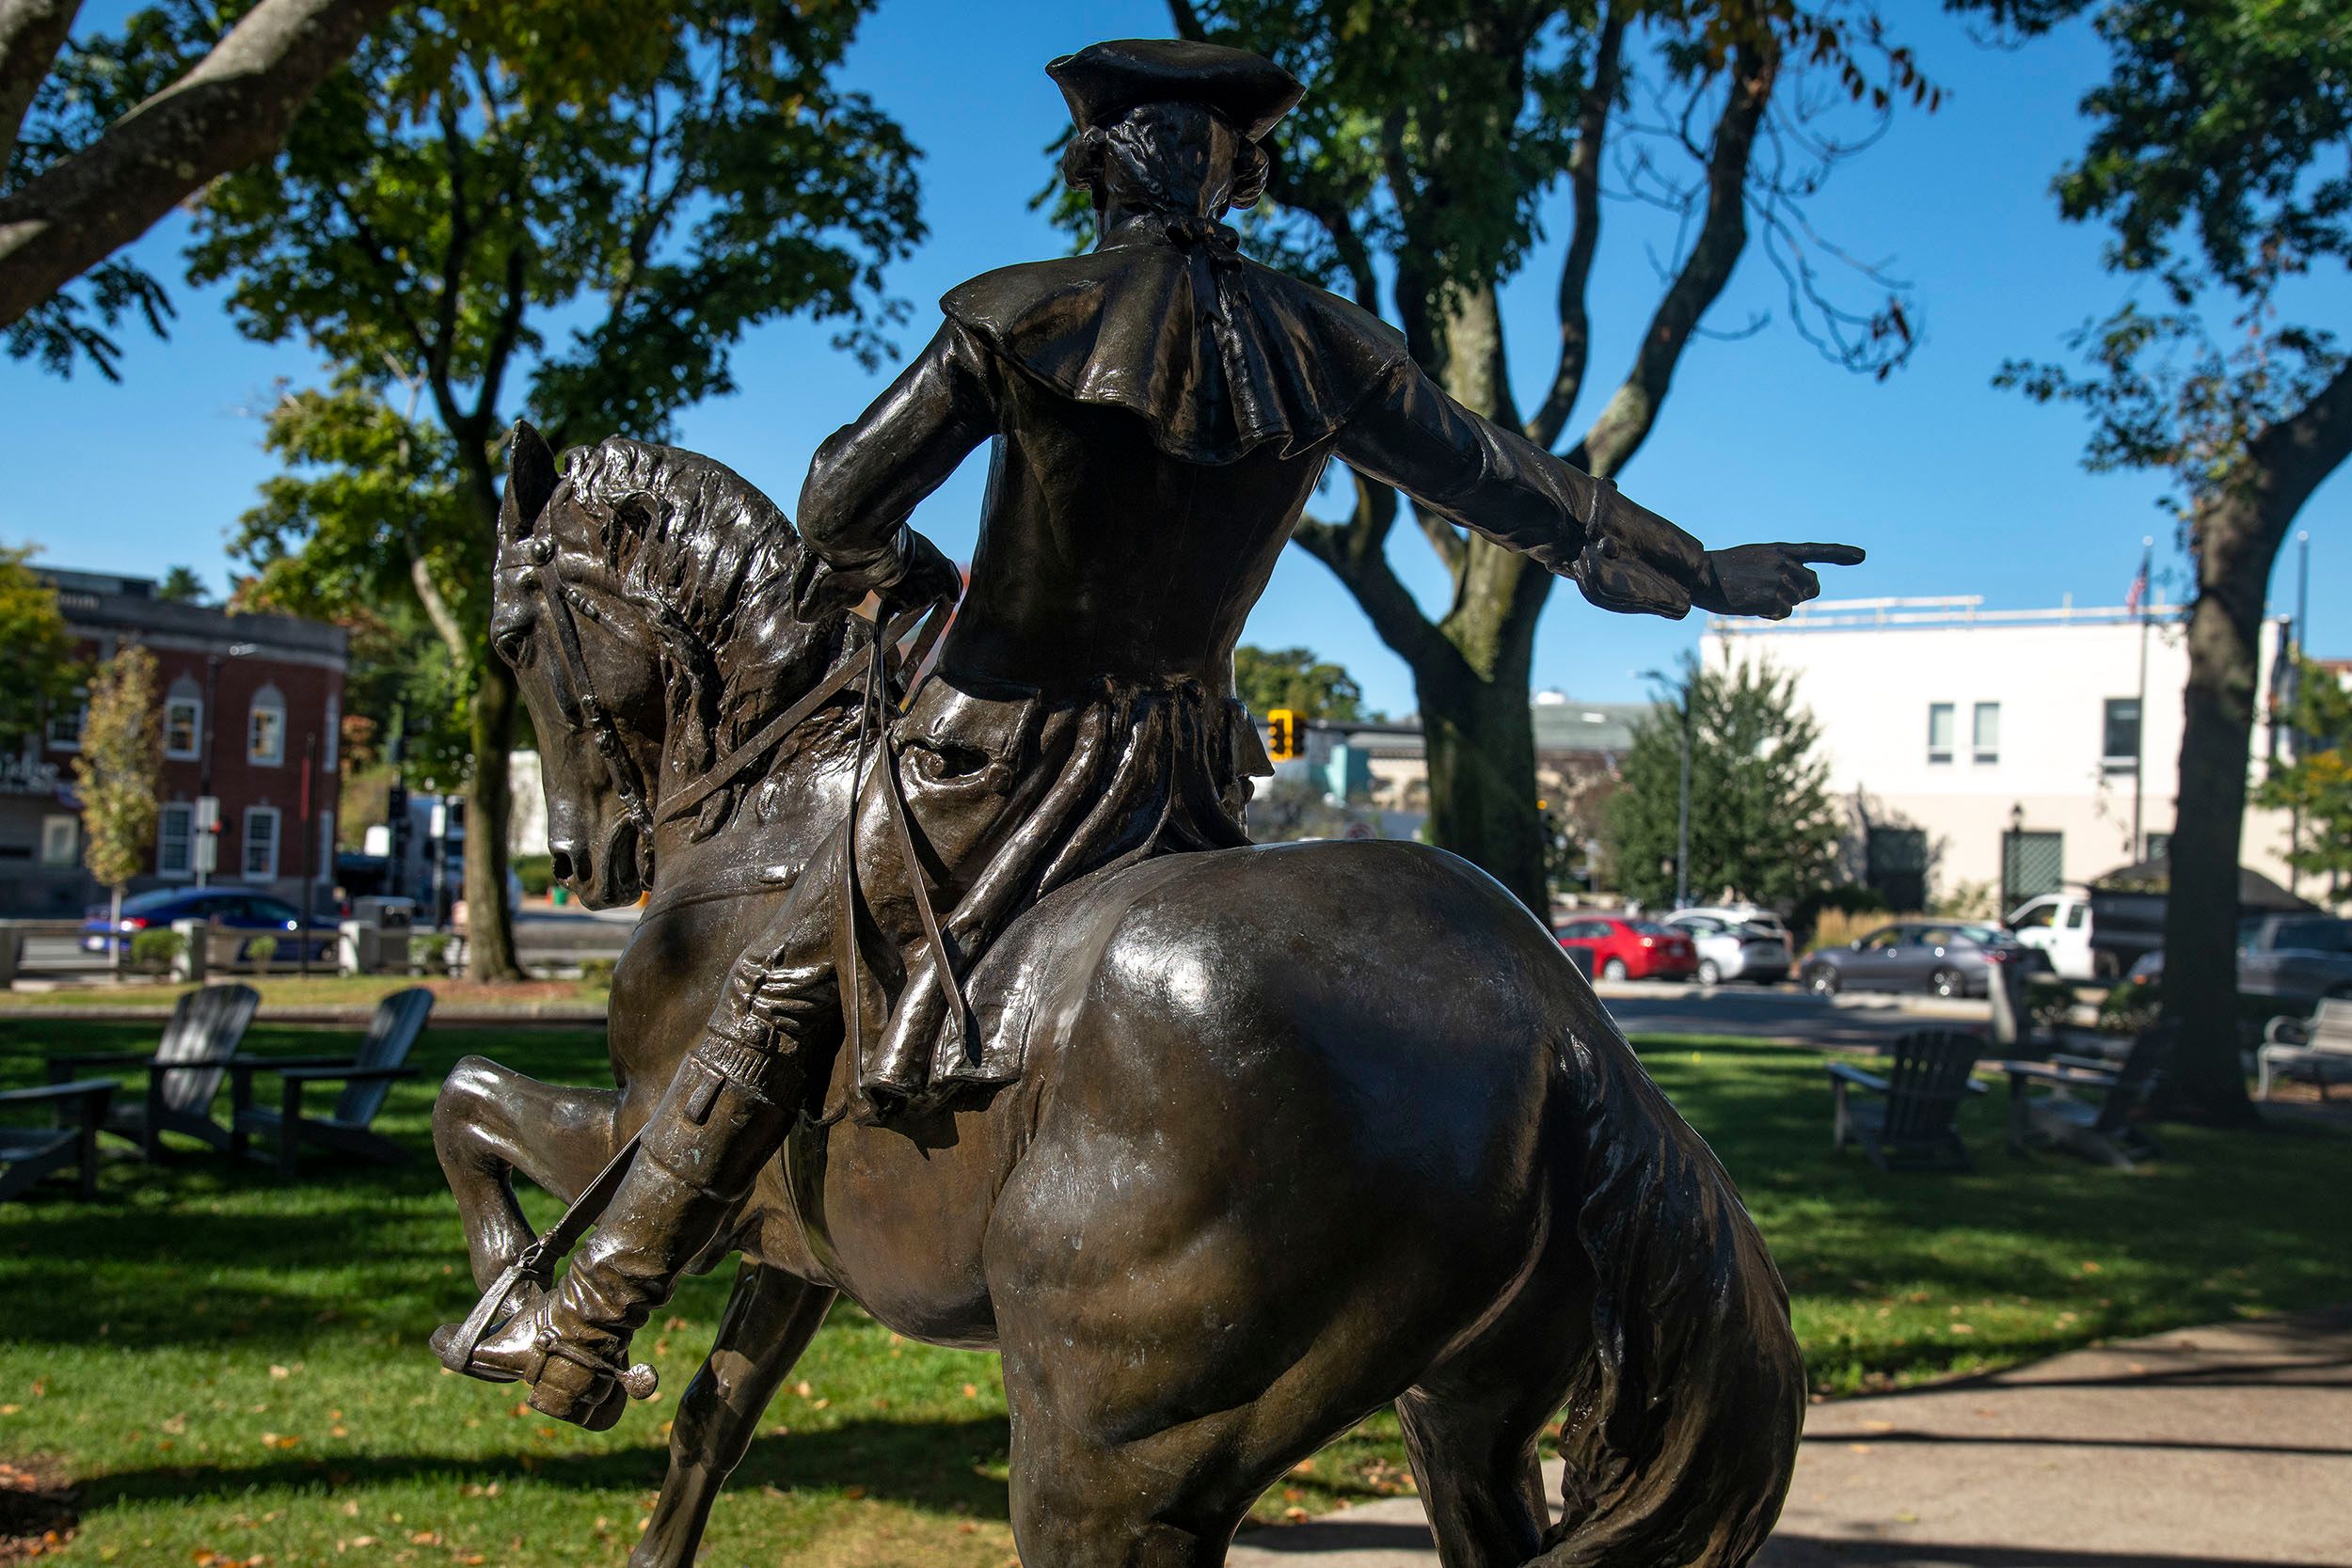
[(530, 482)]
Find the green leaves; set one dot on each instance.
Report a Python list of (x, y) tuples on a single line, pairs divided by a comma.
[(1762, 823), (1294, 678), (41, 654), (119, 764)]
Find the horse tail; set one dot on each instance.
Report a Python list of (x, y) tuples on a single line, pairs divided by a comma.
[(1682, 1421)]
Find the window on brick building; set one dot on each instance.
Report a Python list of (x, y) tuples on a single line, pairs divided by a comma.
[(261, 844), (265, 729), (175, 839), (331, 742), (184, 728), (61, 841), (65, 721)]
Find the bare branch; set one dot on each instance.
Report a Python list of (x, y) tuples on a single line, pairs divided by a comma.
[(233, 109), (1355, 554), (1576, 271), (1632, 410), (31, 32)]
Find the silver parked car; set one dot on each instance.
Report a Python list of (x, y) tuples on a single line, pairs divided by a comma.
[(1735, 943), (1946, 957)]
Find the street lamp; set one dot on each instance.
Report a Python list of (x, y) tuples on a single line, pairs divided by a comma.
[(1682, 830), (212, 721)]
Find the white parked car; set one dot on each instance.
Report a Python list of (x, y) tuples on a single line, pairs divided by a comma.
[(2059, 923), (1736, 941)]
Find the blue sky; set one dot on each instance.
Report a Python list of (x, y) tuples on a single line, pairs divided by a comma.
[(1954, 487)]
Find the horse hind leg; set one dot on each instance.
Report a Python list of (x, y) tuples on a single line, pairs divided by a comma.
[(489, 1122), (768, 1321), (1474, 1461)]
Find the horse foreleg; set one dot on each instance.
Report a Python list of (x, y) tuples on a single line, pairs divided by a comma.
[(490, 1122), (768, 1321)]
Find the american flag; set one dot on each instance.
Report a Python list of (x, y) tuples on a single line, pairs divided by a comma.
[(2139, 588)]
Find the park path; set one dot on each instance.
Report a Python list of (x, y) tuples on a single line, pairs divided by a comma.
[(2226, 1447)]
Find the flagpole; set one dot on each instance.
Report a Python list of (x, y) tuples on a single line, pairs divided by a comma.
[(2139, 757)]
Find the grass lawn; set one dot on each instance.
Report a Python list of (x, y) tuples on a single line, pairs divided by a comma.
[(229, 1367), (320, 990)]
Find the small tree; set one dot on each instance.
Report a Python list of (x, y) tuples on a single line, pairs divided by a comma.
[(180, 585), (1762, 823), (42, 668), (2318, 783), (1269, 678), (121, 762)]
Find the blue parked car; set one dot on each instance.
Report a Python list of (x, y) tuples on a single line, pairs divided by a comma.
[(234, 908)]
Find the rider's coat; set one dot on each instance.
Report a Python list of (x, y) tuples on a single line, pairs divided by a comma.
[(1162, 411)]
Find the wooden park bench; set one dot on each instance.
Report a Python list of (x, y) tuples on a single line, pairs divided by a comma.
[(182, 1075), (2085, 1105), (2318, 1048), (367, 1077), (77, 1108), (1913, 1123)]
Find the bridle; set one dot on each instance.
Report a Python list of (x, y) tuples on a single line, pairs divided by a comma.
[(883, 678), (579, 688)]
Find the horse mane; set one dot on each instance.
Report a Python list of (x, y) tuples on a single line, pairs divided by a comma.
[(708, 559)]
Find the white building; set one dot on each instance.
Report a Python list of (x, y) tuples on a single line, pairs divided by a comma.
[(2008, 748)]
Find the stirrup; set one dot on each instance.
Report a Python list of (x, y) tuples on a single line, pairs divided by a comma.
[(457, 1351)]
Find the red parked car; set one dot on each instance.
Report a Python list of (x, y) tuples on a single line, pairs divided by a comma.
[(1615, 948)]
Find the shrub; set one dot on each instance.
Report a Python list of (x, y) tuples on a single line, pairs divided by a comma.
[(428, 952), (536, 873), (2130, 1006), (261, 952), (598, 972), (158, 949), (1836, 928), (2049, 1003), (1849, 898)]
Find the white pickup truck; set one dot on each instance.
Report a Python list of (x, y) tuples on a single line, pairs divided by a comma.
[(2059, 924)]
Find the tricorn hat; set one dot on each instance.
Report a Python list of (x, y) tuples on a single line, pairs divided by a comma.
[(1103, 81)]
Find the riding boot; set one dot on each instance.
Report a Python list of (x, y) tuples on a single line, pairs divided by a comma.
[(723, 1117)]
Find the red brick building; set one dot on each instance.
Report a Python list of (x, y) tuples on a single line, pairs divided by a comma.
[(245, 699)]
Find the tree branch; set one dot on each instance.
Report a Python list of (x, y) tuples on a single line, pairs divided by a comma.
[(231, 109), (1576, 271), (31, 32), (437, 610), (2296, 454), (1632, 409)]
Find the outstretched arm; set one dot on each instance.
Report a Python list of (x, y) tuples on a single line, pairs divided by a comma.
[(1622, 555), (868, 476)]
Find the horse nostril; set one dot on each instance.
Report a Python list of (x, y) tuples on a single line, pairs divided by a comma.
[(562, 866)]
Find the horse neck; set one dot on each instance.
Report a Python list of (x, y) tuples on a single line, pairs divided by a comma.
[(807, 793)]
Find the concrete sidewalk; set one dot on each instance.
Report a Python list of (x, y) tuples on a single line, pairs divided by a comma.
[(2227, 1447)]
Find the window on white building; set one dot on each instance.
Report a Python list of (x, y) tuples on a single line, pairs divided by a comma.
[(184, 728), (1988, 733), (60, 840), (265, 729), (64, 724), (1939, 724), (175, 839), (2120, 729), (261, 844)]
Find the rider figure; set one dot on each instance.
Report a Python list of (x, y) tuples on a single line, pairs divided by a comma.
[(1162, 408)]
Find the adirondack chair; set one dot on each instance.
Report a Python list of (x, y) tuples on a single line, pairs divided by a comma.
[(2085, 1105), (28, 1153), (367, 1079), (2318, 1048), (182, 1075), (1912, 1124)]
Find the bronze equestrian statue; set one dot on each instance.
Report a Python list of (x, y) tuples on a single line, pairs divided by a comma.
[(1222, 1147)]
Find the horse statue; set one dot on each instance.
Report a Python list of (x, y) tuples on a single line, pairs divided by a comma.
[(1302, 1130)]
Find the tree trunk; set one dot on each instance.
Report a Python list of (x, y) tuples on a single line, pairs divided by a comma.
[(2206, 1079), (114, 933), (489, 925), (1481, 746)]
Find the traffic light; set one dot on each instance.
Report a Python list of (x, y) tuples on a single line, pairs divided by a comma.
[(1281, 734)]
